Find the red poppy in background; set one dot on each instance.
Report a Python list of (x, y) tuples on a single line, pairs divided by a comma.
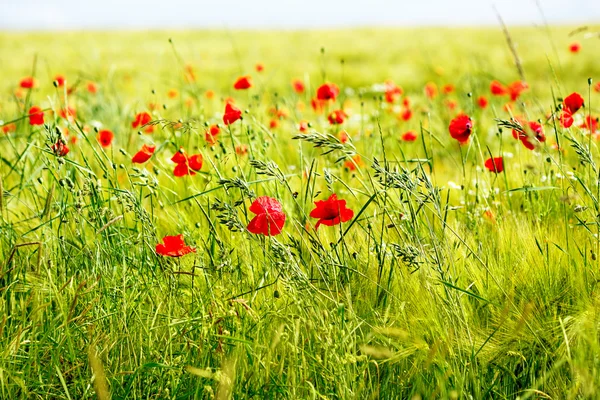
[(269, 218), (141, 119), (27, 83), (597, 87), (303, 126), (173, 246), (298, 86), (259, 67), (241, 149), (431, 90), (343, 136), (232, 114), (574, 47), (516, 88), (590, 123), (337, 117), (105, 137), (60, 148), (211, 134), (36, 116), (242, 83), (68, 113), (409, 136), (60, 80), (318, 105), (328, 91), (406, 115), (331, 212), (92, 87), (353, 163), (573, 102), (461, 128), (448, 88), (9, 128), (144, 154), (495, 164), (392, 91), (498, 89), (482, 102)]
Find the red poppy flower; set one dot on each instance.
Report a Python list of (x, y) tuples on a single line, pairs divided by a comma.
[(495, 164), (516, 88), (269, 218), (36, 116), (406, 102), (566, 119), (144, 154), (60, 80), (172, 93), (303, 126), (573, 102), (67, 113), (451, 104), (141, 119), (574, 47), (337, 117), (259, 67), (173, 246), (241, 149), (460, 128), (242, 83), (448, 88), (298, 86), (105, 137), (9, 128), (597, 87), (409, 136), (318, 105), (343, 136), (328, 91), (92, 87), (482, 102), (392, 92), (27, 83), (186, 165), (232, 114), (533, 134), (352, 164), (60, 148), (498, 89), (431, 90), (406, 115), (211, 134), (331, 212), (590, 123)]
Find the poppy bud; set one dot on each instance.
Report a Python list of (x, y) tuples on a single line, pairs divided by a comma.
[(590, 83), (55, 83)]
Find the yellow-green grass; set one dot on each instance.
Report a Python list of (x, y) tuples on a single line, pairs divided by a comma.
[(430, 291)]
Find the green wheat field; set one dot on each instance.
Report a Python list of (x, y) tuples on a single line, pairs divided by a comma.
[(436, 275)]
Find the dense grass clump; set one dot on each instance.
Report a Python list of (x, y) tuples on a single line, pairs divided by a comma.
[(448, 280)]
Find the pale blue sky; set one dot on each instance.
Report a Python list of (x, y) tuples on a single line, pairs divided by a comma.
[(135, 14)]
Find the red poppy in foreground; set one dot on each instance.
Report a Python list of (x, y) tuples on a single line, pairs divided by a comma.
[(461, 128), (409, 136), (36, 116), (27, 83), (105, 137), (498, 89), (174, 246), (232, 114), (574, 47), (269, 218), (566, 119), (242, 83), (495, 164), (141, 119), (186, 165), (144, 154), (328, 91), (573, 102), (337, 117), (331, 212)]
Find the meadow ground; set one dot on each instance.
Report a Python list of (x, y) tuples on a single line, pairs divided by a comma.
[(449, 278)]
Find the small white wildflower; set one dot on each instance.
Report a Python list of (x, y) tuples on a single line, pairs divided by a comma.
[(453, 185), (544, 178), (507, 154)]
